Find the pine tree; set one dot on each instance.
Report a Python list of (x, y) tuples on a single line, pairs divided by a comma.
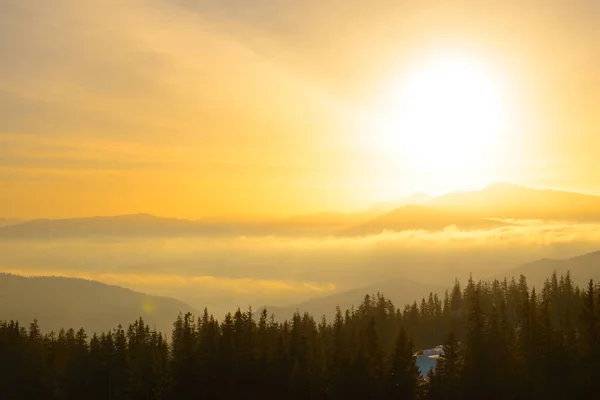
[(476, 364), (403, 376), (516, 344), (184, 356), (589, 341), (445, 382)]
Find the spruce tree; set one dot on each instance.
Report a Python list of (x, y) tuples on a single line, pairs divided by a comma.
[(403, 376)]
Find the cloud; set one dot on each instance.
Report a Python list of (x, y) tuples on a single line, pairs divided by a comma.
[(260, 94), (195, 102), (337, 42), (283, 259), (523, 232), (149, 63), (146, 63), (219, 294), (204, 283), (226, 273)]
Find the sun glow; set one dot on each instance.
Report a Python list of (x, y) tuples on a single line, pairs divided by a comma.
[(446, 115)]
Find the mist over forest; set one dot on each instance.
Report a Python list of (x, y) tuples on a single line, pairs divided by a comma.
[(226, 273)]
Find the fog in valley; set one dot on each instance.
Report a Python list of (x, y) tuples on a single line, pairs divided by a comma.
[(225, 273)]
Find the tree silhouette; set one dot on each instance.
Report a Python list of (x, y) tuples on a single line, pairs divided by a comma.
[(501, 340)]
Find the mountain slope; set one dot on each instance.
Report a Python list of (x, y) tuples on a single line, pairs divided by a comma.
[(581, 268), (331, 222), (58, 302), (420, 217), (133, 225), (8, 222), (416, 199), (400, 292), (466, 210), (146, 225), (123, 225), (321, 223), (512, 201)]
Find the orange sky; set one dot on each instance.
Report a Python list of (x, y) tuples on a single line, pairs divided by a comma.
[(188, 109)]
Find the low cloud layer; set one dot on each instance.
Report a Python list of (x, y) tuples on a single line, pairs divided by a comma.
[(227, 273)]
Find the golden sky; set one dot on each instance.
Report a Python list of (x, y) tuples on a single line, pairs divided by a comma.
[(194, 107)]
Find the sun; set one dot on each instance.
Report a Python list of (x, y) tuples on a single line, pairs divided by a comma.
[(446, 115)]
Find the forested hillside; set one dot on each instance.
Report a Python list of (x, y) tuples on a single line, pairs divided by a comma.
[(399, 291), (502, 340), (581, 268), (58, 302)]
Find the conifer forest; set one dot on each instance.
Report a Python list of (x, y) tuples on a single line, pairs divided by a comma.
[(501, 340)]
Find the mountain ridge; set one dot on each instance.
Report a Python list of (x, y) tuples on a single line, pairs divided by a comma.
[(504, 200), (399, 291), (463, 209), (421, 218), (581, 268), (99, 307)]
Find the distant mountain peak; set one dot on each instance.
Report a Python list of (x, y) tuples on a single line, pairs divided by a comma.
[(418, 198), (137, 215), (510, 201)]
